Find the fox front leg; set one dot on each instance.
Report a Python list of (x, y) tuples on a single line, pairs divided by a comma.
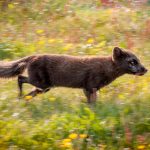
[(94, 95), (91, 96)]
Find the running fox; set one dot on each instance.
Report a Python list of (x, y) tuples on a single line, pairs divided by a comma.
[(87, 73)]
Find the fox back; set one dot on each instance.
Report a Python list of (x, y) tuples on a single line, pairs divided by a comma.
[(83, 72)]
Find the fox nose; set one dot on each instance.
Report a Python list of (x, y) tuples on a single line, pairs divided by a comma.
[(144, 70)]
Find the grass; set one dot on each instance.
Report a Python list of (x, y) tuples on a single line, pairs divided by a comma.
[(61, 118), (118, 118)]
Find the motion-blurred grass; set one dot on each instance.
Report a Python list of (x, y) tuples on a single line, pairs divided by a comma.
[(60, 119)]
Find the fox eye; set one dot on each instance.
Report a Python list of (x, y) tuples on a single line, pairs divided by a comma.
[(133, 62)]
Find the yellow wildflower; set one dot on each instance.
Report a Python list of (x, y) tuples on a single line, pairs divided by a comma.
[(52, 99), (66, 145), (109, 11), (141, 147), (41, 42), (28, 97), (121, 96), (66, 141), (82, 136), (67, 47), (101, 44), (90, 41), (11, 6), (39, 31), (73, 136), (51, 40)]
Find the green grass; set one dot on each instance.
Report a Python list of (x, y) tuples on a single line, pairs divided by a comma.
[(120, 118), (116, 120)]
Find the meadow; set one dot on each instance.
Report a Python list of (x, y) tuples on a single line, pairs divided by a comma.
[(61, 119)]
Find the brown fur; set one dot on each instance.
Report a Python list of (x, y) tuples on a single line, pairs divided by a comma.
[(88, 73)]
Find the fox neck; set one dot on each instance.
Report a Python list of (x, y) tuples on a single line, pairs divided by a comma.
[(116, 70)]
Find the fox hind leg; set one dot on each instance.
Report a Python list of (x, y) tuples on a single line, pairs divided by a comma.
[(21, 80), (37, 91), (40, 88)]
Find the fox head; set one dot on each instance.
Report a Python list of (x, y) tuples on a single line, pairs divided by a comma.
[(128, 62)]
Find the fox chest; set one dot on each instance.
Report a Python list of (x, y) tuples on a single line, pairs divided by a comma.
[(98, 80)]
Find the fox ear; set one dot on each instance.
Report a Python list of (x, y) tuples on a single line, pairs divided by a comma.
[(118, 53)]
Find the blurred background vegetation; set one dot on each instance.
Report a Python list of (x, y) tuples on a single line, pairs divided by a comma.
[(60, 119)]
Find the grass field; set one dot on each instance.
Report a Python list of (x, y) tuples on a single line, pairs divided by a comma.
[(61, 119)]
